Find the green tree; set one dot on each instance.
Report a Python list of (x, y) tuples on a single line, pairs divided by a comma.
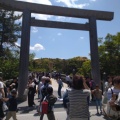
[(85, 69), (109, 54), (10, 31)]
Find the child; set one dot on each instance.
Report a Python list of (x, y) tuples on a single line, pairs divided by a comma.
[(12, 106), (98, 98)]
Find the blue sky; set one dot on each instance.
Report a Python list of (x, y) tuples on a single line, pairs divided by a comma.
[(65, 44)]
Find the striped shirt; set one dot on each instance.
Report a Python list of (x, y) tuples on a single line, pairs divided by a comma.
[(78, 104)]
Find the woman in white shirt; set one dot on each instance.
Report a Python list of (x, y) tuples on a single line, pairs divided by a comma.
[(1, 100), (115, 88)]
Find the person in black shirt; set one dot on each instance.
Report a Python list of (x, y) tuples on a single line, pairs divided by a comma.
[(31, 92), (12, 106), (14, 84)]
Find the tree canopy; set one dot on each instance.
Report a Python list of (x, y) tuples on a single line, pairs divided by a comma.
[(10, 31)]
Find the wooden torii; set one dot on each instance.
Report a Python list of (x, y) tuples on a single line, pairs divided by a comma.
[(27, 22)]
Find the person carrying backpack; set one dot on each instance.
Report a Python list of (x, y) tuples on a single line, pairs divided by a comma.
[(47, 104), (44, 88)]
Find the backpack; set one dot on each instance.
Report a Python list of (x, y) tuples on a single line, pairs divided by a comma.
[(51, 99), (44, 91), (93, 85), (47, 103)]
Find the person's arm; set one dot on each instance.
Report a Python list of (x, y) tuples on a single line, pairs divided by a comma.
[(5, 99), (2, 91), (85, 85)]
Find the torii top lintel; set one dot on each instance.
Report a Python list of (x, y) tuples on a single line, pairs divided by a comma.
[(55, 10)]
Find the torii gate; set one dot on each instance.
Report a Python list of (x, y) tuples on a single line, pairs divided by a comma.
[(28, 8)]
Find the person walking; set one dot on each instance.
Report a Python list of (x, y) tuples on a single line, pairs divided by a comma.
[(41, 83), (67, 78), (60, 85), (47, 95), (31, 93), (98, 98), (12, 106)]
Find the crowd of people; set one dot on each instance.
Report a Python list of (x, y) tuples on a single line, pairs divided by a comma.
[(8, 101), (76, 99)]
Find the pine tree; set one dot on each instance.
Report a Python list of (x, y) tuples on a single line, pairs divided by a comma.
[(10, 31)]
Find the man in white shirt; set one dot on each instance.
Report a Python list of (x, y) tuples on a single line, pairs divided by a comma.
[(41, 83), (2, 93)]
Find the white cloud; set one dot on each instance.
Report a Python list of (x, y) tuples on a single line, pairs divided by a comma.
[(37, 47), (63, 19), (59, 34), (35, 58), (34, 29), (60, 18), (17, 44), (71, 3), (41, 16), (93, 0), (82, 38)]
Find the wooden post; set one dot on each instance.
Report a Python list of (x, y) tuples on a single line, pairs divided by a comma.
[(94, 51), (24, 54)]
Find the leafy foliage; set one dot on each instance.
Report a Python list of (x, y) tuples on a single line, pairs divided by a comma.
[(109, 53), (10, 31)]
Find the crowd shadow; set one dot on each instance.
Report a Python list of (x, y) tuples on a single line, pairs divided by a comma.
[(26, 109)]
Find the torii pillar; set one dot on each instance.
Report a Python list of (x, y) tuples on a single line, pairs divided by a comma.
[(24, 54), (95, 69)]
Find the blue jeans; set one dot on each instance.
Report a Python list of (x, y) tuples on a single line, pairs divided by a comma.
[(98, 104), (59, 91)]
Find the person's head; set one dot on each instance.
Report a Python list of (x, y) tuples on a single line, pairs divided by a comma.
[(47, 80), (43, 79), (14, 79), (78, 82), (116, 81), (50, 90), (87, 79), (110, 80), (13, 92), (1, 79), (97, 87), (30, 80)]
